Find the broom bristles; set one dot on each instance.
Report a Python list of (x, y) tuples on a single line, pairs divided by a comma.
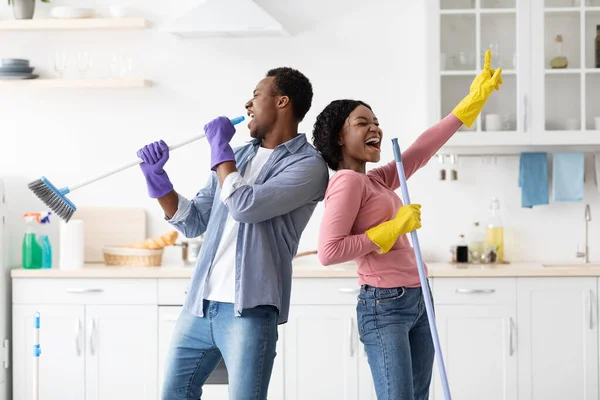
[(53, 198)]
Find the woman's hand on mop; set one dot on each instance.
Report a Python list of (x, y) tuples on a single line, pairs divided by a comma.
[(154, 157), (385, 234), (481, 88), (219, 132)]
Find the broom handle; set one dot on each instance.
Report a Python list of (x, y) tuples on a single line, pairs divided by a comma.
[(138, 161), (422, 277)]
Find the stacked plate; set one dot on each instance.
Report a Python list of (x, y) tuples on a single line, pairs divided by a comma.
[(15, 68)]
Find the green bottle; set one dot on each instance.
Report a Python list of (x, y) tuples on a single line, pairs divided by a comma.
[(32, 252)]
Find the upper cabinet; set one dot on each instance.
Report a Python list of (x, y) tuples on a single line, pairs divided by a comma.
[(547, 50)]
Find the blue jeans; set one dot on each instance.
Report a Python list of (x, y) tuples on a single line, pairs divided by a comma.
[(394, 329), (246, 344)]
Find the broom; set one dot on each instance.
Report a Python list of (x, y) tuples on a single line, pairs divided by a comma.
[(422, 277), (56, 199)]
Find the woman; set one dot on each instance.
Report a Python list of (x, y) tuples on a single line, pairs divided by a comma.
[(365, 221)]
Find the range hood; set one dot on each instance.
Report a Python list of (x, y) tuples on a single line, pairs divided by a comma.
[(225, 18)]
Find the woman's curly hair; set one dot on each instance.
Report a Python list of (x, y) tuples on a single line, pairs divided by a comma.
[(327, 128)]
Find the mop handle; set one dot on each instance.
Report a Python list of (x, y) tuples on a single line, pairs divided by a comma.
[(37, 351), (422, 277), (137, 161)]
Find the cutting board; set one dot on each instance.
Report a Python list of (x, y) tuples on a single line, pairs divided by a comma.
[(110, 226)]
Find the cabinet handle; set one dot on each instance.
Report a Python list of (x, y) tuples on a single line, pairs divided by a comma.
[(6, 354), (511, 347), (349, 290), (93, 337), (351, 335), (591, 309), (475, 291), (78, 337), (80, 290), (525, 114)]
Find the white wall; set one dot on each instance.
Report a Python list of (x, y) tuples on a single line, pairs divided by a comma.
[(374, 52)]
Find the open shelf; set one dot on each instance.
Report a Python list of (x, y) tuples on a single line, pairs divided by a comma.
[(76, 83), (51, 24)]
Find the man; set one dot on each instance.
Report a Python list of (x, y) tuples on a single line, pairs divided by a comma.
[(253, 211)]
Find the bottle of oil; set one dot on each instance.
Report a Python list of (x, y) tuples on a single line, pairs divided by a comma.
[(495, 230)]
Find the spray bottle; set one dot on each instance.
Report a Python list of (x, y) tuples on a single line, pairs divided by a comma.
[(44, 240), (31, 250)]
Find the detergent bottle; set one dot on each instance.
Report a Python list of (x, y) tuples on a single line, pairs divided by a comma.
[(44, 240), (31, 250), (495, 231)]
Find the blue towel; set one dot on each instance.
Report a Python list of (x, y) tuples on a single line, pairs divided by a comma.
[(533, 179), (567, 176)]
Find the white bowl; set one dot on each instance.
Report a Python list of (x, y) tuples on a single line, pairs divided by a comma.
[(72, 12), (118, 11)]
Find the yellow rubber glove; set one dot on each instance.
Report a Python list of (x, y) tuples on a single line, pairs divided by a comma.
[(481, 88), (385, 234)]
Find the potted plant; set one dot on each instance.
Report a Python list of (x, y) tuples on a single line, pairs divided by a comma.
[(24, 9)]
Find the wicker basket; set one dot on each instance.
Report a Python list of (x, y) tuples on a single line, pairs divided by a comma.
[(125, 256)]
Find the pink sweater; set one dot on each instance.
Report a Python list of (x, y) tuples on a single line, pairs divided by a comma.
[(355, 202)]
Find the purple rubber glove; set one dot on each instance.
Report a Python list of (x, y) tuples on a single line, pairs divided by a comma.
[(155, 156), (219, 132)]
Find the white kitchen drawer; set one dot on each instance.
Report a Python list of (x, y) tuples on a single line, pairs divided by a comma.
[(84, 291), (172, 292), (475, 291), (325, 291)]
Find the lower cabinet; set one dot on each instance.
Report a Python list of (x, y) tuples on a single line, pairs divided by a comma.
[(476, 321), (88, 352), (558, 338), (502, 339), (321, 353)]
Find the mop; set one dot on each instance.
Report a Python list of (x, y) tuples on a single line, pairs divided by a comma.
[(56, 199), (422, 277), (37, 351)]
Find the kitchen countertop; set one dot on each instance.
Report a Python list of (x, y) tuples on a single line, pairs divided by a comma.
[(309, 267)]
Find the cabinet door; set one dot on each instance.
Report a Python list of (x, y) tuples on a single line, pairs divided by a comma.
[(321, 353), (479, 347), (121, 359), (167, 318), (460, 32), (558, 338), (564, 74), (61, 364)]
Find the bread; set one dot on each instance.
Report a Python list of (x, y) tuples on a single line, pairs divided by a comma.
[(158, 242)]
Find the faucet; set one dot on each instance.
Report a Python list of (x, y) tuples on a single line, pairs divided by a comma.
[(586, 253)]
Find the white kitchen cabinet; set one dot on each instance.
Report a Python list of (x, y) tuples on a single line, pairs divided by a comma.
[(121, 352), (167, 318), (101, 332), (62, 362), (479, 347), (558, 338), (476, 321), (321, 353), (536, 105)]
